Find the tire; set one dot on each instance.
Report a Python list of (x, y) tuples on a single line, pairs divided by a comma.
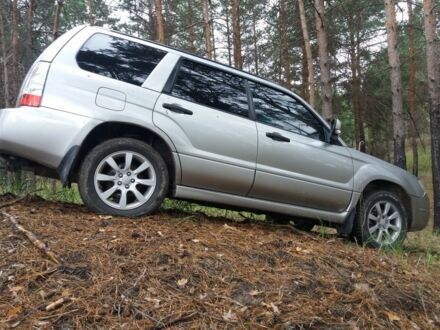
[(301, 224), (371, 219), (144, 182)]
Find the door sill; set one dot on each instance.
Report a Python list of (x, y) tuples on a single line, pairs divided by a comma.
[(195, 194)]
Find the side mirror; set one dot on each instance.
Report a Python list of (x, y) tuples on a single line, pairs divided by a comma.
[(335, 130)]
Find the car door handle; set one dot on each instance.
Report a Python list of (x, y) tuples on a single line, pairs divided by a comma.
[(177, 108), (277, 137)]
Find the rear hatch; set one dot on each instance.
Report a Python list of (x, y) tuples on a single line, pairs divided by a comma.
[(32, 88)]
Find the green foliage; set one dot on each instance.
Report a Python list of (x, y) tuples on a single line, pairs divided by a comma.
[(25, 183)]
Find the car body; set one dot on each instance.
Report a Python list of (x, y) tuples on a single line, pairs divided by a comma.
[(231, 148)]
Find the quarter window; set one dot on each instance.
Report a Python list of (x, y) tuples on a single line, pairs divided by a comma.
[(211, 87), (283, 111), (119, 58)]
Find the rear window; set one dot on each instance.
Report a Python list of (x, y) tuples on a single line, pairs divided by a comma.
[(119, 58)]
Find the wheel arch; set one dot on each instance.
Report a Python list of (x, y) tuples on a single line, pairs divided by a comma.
[(381, 184), (158, 140)]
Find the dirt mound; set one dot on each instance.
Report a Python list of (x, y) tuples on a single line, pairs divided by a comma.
[(181, 270)]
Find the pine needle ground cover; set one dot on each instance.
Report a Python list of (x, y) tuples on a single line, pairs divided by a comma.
[(183, 270)]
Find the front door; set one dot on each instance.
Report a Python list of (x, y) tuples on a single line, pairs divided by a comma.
[(295, 165), (206, 115)]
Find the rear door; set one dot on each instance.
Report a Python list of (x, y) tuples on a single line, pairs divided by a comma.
[(205, 112), (295, 165)]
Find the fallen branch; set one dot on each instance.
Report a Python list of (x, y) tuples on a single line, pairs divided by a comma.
[(15, 201), (57, 304), (31, 236)]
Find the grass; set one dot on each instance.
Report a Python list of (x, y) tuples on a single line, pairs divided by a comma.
[(424, 243), (424, 160)]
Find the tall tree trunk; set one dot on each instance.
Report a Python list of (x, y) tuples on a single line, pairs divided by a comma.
[(56, 22), (91, 12), (255, 41), (236, 37), (207, 29), (412, 87), (284, 47), (14, 44), (5, 62), (29, 33), (192, 33), (29, 176), (396, 85), (432, 56), (360, 108), (228, 33), (324, 62), (356, 83), (160, 31), (214, 51), (168, 28), (304, 76), (151, 20), (308, 55)]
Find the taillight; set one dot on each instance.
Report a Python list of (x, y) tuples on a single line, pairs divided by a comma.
[(33, 85)]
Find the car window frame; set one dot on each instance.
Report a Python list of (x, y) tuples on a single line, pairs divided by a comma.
[(324, 127), (120, 37), (169, 85)]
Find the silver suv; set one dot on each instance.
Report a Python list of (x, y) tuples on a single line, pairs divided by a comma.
[(133, 121)]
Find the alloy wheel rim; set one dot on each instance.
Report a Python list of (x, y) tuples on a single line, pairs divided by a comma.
[(125, 180), (384, 223)]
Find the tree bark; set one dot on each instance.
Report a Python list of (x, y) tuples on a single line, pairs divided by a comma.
[(308, 55), (192, 34), (29, 33), (160, 31), (15, 83), (236, 38), (412, 87), (91, 12), (396, 85), (324, 62), (304, 75), (56, 22), (151, 25), (434, 103), (284, 39), (255, 42), (207, 29), (228, 33), (5, 62), (214, 52), (355, 66)]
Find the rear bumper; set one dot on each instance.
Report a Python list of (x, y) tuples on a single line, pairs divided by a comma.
[(420, 212), (42, 135)]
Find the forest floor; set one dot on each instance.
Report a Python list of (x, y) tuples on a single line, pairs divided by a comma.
[(182, 270)]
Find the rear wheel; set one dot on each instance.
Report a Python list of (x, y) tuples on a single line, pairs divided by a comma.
[(381, 220), (124, 177)]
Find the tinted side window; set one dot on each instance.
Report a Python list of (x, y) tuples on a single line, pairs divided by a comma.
[(280, 110), (211, 87), (118, 58)]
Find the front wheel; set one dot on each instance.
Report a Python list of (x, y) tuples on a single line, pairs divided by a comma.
[(381, 220), (124, 177)]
